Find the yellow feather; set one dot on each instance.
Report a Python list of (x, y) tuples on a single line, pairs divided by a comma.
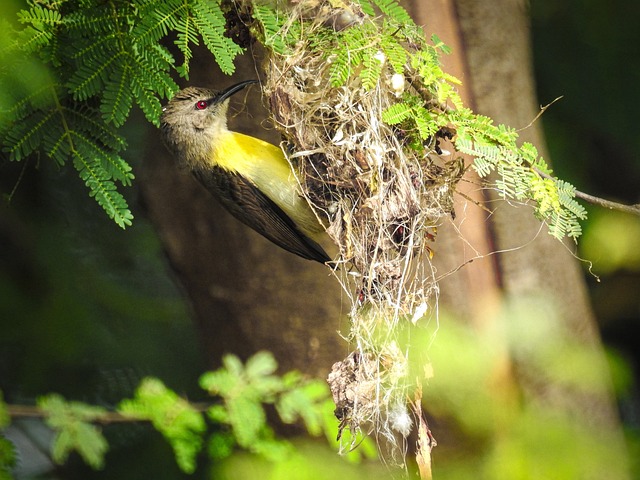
[(265, 165)]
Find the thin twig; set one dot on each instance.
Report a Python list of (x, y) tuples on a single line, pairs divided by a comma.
[(107, 417), (30, 411), (621, 207), (542, 110)]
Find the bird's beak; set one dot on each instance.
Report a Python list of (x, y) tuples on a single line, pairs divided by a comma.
[(227, 92)]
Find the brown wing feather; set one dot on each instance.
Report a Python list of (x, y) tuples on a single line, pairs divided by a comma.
[(252, 207)]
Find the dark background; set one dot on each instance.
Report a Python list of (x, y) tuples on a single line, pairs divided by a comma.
[(87, 309), (588, 52)]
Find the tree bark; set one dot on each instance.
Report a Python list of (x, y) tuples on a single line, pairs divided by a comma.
[(492, 55)]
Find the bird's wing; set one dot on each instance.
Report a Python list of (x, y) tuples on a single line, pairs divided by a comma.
[(252, 207)]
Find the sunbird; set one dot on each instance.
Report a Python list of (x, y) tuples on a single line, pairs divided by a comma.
[(251, 178)]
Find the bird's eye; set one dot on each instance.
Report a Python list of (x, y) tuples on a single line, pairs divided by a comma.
[(201, 105)]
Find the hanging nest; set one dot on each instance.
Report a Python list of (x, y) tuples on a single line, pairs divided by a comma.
[(380, 201)]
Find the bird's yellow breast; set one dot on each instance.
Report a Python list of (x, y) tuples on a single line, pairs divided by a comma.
[(244, 154), (265, 165)]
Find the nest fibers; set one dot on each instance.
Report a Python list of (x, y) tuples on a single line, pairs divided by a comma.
[(380, 202)]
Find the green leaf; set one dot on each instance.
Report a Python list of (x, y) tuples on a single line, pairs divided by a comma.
[(247, 418), (424, 122), (74, 432), (218, 414), (371, 71), (395, 53), (178, 421), (245, 388), (210, 21), (340, 68), (7, 458), (367, 7), (397, 113), (117, 97), (439, 44), (261, 364), (87, 158), (86, 439), (305, 402), (221, 445), (220, 382), (233, 365), (272, 22), (393, 10)]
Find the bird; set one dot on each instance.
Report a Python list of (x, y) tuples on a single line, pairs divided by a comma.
[(251, 178)]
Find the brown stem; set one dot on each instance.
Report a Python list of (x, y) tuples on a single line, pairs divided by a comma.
[(30, 411)]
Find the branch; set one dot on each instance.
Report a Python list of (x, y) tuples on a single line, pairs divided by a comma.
[(621, 207), (601, 202), (542, 110), (30, 411)]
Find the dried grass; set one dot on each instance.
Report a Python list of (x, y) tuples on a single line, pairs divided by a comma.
[(381, 203)]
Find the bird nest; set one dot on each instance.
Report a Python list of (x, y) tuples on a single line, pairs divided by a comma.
[(380, 201)]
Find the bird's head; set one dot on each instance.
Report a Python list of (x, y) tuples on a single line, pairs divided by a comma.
[(192, 120)]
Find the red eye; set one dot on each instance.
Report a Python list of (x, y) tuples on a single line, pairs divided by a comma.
[(201, 105)]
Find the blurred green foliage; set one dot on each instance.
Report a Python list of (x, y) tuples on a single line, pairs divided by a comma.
[(243, 391), (180, 423), (505, 394), (74, 430), (612, 242)]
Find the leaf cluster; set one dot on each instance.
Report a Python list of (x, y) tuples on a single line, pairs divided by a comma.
[(522, 174), (75, 69), (181, 424), (244, 389), (375, 50), (72, 422), (238, 417)]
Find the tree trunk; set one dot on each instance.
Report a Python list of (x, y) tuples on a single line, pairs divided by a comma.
[(492, 56)]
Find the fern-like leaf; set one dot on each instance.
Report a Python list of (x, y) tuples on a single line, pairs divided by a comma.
[(25, 137), (117, 97), (367, 7), (395, 53), (87, 161), (211, 24), (271, 21), (71, 422), (340, 69), (41, 26), (425, 124), (397, 113), (394, 11), (370, 72)]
